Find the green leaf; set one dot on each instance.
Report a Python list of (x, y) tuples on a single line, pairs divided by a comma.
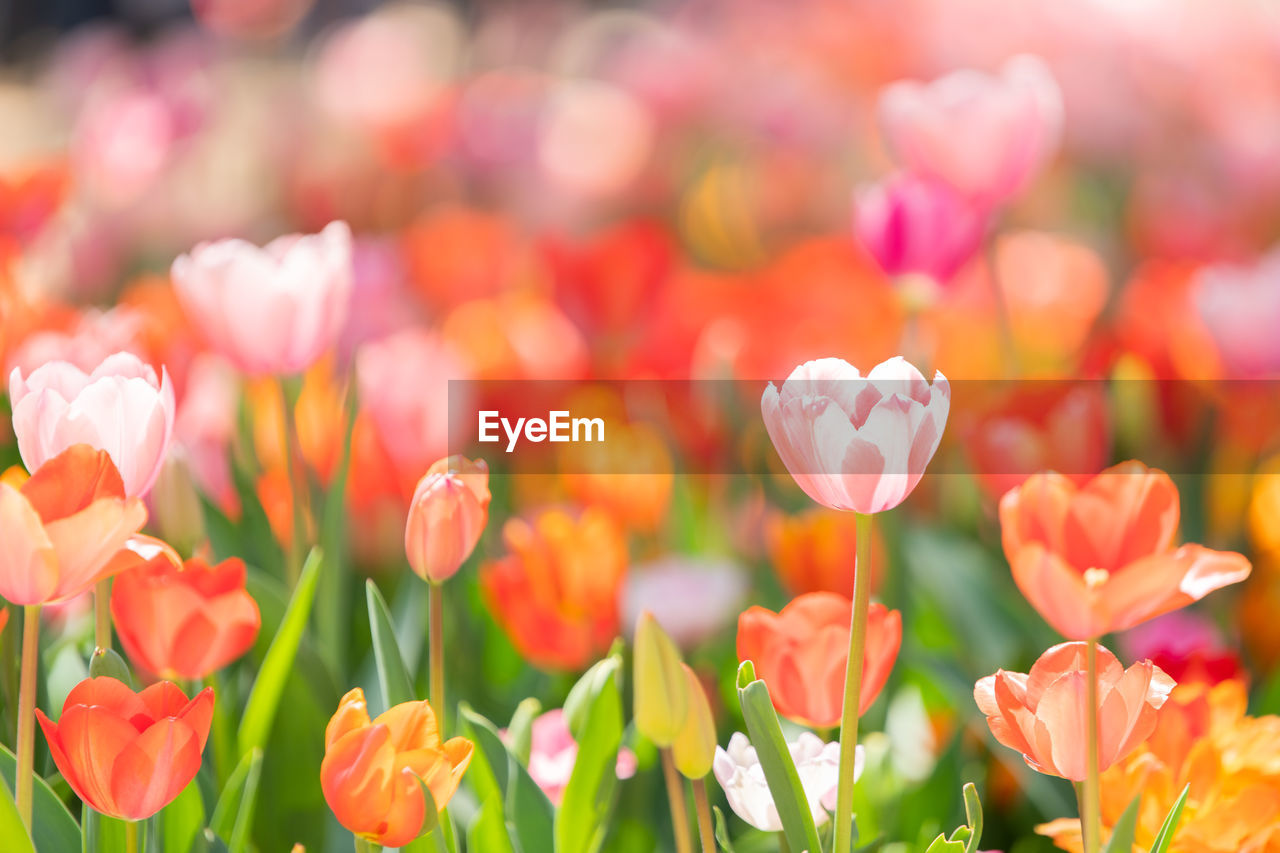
[(13, 835), (1122, 834), (582, 694), (942, 844), (520, 729), (393, 677), (109, 663), (178, 823), (1165, 836), (233, 815), (488, 831), (260, 710), (973, 814), (775, 759), (529, 814), (722, 831), (331, 605), (582, 821), (52, 826)]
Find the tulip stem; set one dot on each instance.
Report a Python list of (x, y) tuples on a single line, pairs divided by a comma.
[(853, 687), (706, 832), (675, 795), (435, 622), (1091, 818), (297, 486), (27, 712), (131, 837), (102, 614)]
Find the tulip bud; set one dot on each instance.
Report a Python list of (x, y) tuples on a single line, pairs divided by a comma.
[(448, 513), (175, 504), (661, 689), (694, 749)]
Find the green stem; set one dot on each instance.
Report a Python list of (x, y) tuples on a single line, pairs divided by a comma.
[(131, 837), (297, 487), (364, 846), (675, 795), (435, 622), (1091, 814), (27, 712), (706, 832), (102, 614), (853, 687)]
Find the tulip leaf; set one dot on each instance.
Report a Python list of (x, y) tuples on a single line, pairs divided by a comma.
[(520, 729), (488, 831), (582, 821), (178, 824), (973, 814), (264, 697), (332, 607), (52, 826), (1165, 836), (942, 844), (530, 817), (233, 815), (393, 677), (776, 762), (722, 831), (109, 663), (1122, 834), (13, 835)]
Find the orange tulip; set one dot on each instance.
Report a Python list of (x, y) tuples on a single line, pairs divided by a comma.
[(813, 551), (184, 622), (447, 516), (1100, 557), (66, 528), (556, 593), (128, 754), (1043, 714), (371, 768), (802, 651)]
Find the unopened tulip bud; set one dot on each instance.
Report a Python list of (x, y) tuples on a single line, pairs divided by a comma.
[(661, 689), (694, 749), (448, 513), (175, 504)]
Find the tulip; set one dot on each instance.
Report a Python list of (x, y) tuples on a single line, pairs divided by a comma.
[(1100, 557), (661, 690), (694, 748), (986, 135), (372, 769), (810, 552), (553, 754), (446, 517), (128, 754), (802, 654), (184, 622), (739, 772), (855, 442), (270, 310), (121, 407), (1043, 714), (911, 224), (692, 598), (67, 527), (556, 593)]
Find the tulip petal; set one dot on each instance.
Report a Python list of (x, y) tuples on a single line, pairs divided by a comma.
[(93, 737), (87, 541), (1063, 710), (28, 561), (356, 777), (154, 768), (71, 481)]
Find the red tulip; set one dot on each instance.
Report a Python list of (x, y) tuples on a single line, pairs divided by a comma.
[(128, 754), (184, 622)]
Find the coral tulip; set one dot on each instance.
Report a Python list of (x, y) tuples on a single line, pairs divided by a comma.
[(447, 516), (556, 593), (372, 769), (121, 407), (128, 754), (855, 442), (1044, 713), (184, 622), (66, 528), (1100, 558), (270, 310), (802, 651), (911, 224), (984, 134)]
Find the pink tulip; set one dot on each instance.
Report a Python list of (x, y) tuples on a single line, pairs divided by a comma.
[(553, 752), (271, 310), (1240, 305), (984, 134), (121, 407), (911, 224), (446, 517), (853, 442)]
